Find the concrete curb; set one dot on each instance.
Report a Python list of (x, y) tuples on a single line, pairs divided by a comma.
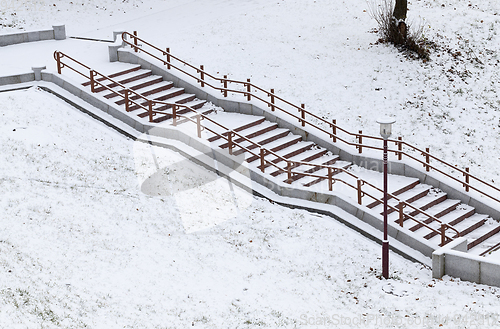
[(58, 32), (453, 260)]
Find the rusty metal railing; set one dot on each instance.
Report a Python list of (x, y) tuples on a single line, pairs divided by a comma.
[(96, 78), (270, 99)]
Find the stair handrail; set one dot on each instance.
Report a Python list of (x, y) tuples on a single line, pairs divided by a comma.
[(290, 163), (390, 195), (58, 56), (138, 44), (444, 226)]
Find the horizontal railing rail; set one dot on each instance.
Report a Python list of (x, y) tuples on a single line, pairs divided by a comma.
[(96, 78), (270, 99)]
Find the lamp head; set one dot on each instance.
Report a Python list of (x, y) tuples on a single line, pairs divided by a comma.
[(386, 126)]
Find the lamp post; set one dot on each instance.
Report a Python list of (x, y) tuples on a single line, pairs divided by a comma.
[(385, 132)]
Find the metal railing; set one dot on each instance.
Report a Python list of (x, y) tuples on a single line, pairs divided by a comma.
[(256, 150), (270, 99)]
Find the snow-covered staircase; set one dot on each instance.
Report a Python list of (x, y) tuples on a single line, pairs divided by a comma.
[(150, 86), (481, 231)]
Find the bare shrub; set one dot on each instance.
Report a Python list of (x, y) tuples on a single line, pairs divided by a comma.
[(406, 37)]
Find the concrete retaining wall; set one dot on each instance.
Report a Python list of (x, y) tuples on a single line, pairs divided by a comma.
[(58, 32), (453, 260)]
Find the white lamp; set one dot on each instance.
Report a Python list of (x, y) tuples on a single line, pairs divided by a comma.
[(386, 126)]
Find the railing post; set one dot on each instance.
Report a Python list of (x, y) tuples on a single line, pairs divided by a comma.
[(443, 236), (330, 180), (262, 160), (92, 81), (174, 115), (249, 90), (127, 91), (401, 213), (303, 114), (150, 110), (58, 60), (467, 179), (168, 58), (272, 99), (360, 193), (427, 159), (360, 141), (225, 86), (289, 172), (135, 41), (230, 141), (202, 76), (334, 121), (198, 125), (400, 148)]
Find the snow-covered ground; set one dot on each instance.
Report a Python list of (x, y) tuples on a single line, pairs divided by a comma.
[(85, 243)]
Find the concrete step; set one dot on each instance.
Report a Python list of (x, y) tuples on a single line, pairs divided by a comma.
[(194, 104), (489, 229), (117, 74), (126, 78), (288, 152), (396, 193), (149, 91), (186, 117), (238, 125), (133, 85), (325, 160), (310, 181), (166, 95), (252, 133), (264, 139), (410, 196), (452, 218)]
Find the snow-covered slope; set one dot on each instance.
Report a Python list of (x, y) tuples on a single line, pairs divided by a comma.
[(82, 245)]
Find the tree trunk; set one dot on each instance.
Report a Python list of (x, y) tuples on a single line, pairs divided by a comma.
[(400, 15), (400, 10)]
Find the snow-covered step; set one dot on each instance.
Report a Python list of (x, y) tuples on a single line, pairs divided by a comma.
[(125, 78), (486, 231), (397, 192), (302, 158), (287, 152), (278, 145), (325, 160), (454, 217), (230, 121), (253, 133), (165, 95), (441, 209), (132, 68), (306, 156), (489, 248), (409, 196), (264, 139), (310, 181), (134, 85), (470, 224), (149, 91), (183, 113)]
